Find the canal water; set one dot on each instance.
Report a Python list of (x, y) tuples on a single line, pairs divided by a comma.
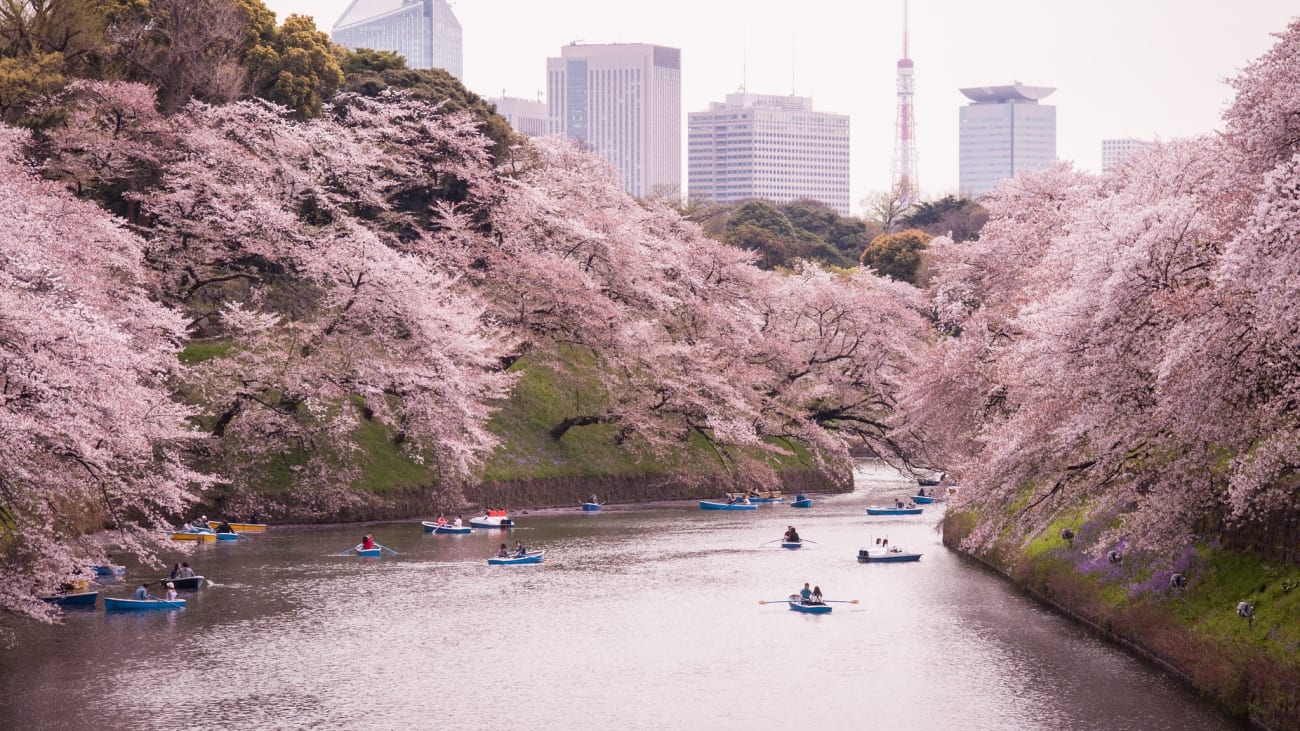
[(640, 618)]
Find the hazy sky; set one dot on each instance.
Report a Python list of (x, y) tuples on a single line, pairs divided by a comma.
[(1131, 68)]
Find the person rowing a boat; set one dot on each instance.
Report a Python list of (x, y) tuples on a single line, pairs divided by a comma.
[(791, 535), (142, 594), (442, 520), (225, 527), (367, 542), (520, 550), (805, 594)]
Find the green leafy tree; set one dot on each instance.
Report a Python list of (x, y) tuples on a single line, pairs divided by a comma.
[(760, 226), (898, 255), (25, 79), (295, 65), (958, 218)]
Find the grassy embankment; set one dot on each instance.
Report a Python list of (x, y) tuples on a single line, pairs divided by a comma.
[(1250, 667), (529, 468)]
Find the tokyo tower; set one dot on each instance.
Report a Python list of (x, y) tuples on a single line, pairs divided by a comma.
[(904, 168)]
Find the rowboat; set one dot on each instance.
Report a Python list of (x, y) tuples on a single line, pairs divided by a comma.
[(804, 503), (707, 505), (873, 510), (492, 521), (922, 499), (530, 557), (758, 498), (110, 570), (80, 599), (445, 528), (189, 582), (125, 605), (796, 604), (886, 555), (240, 527), (591, 507), (764, 500), (375, 552), (193, 535), (227, 536), (792, 544)]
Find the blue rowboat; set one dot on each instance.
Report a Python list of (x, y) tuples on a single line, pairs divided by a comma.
[(922, 499), (375, 552), (227, 536), (886, 555), (445, 528), (804, 503), (110, 570), (708, 505), (491, 521), (127, 605), (873, 510), (81, 599), (797, 605), (792, 544), (530, 557), (591, 507)]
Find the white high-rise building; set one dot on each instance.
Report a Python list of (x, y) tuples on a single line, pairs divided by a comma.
[(424, 32), (771, 147), (526, 116), (1113, 152), (1003, 131), (623, 101)]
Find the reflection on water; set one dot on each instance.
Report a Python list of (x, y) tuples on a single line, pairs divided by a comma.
[(639, 619)]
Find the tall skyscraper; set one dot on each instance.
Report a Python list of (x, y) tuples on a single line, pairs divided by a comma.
[(1113, 152), (424, 32), (526, 116), (905, 166), (1003, 131), (771, 147), (623, 101)]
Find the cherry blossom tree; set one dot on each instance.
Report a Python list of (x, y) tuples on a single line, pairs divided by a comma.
[(90, 434)]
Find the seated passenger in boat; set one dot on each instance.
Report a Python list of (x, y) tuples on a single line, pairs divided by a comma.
[(171, 592), (225, 527), (816, 596), (504, 552), (456, 523), (791, 535), (186, 572)]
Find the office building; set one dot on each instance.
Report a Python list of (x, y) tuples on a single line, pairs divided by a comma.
[(1004, 131), (772, 147), (526, 116), (1113, 152), (624, 102), (424, 32)]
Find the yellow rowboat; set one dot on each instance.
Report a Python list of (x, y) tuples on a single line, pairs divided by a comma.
[(240, 527), (203, 537)]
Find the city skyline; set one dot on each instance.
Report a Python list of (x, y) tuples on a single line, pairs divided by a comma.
[(1155, 60)]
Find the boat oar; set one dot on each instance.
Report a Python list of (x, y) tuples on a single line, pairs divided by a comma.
[(839, 601), (773, 601), (344, 553), (774, 540), (809, 540), (385, 548)]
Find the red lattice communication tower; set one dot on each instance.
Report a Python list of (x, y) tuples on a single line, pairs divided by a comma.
[(905, 180)]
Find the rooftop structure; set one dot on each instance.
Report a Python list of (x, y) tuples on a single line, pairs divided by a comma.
[(1004, 131)]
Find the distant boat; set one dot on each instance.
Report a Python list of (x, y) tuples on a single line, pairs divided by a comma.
[(110, 570), (189, 582), (797, 605), (227, 536), (240, 527), (886, 555), (530, 557), (194, 535), (759, 498), (80, 599), (591, 507), (874, 510), (492, 521), (445, 528), (709, 505), (792, 544), (930, 478), (922, 499), (802, 503), (122, 605), (375, 552)]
